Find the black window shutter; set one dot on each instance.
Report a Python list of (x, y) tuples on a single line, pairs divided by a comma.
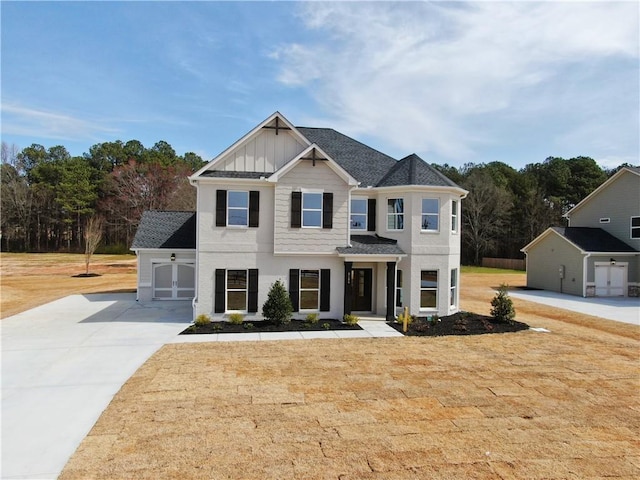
[(327, 210), (221, 208), (219, 303), (296, 209), (254, 208), (294, 288), (325, 290), (252, 305), (371, 215)]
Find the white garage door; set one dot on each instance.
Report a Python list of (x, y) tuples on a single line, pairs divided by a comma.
[(173, 281), (610, 279)]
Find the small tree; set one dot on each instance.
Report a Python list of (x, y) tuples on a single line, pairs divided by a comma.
[(92, 237), (502, 307), (278, 308)]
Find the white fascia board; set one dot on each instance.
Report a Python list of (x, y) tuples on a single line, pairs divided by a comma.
[(341, 172), (226, 180), (544, 235), (419, 188), (164, 250), (348, 257), (246, 137)]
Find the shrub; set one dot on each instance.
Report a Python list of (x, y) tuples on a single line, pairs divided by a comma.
[(236, 318), (312, 318), (248, 326), (278, 308), (502, 307), (202, 319), (350, 319), (326, 326)]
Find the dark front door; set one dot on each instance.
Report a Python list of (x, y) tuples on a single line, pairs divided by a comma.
[(361, 283)]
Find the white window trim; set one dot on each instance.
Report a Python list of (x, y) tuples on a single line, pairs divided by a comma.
[(237, 208), (366, 214), (395, 215), (453, 289), (437, 214), (302, 209), (227, 290), (300, 290), (437, 288), (632, 228), (454, 216)]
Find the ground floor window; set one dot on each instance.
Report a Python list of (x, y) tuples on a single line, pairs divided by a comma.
[(236, 290), (428, 289), (399, 288), (309, 289), (454, 288)]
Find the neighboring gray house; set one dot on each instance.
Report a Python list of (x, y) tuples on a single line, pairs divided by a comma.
[(344, 227), (598, 254)]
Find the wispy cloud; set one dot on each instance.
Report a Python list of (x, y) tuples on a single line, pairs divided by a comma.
[(446, 78), (31, 122)]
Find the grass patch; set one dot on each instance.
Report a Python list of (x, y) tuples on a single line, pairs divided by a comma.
[(488, 270)]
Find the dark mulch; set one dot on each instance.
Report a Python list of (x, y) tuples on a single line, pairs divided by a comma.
[(86, 275), (461, 323), (267, 326)]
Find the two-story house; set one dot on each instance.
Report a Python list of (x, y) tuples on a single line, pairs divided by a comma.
[(346, 228), (598, 253)]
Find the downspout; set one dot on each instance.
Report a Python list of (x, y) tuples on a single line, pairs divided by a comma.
[(137, 275), (194, 302), (584, 274)]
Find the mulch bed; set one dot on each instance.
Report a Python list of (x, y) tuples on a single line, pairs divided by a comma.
[(267, 326), (461, 323)]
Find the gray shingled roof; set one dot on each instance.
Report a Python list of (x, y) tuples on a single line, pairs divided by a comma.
[(593, 239), (412, 170), (363, 163), (371, 245), (162, 229)]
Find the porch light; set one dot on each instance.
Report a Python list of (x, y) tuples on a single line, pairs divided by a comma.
[(612, 261), (173, 257)]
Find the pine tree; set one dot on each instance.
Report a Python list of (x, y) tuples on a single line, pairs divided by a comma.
[(502, 307), (278, 308)]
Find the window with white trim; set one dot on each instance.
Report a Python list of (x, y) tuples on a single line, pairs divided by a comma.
[(430, 214), (237, 208), (428, 289), (454, 216), (453, 289), (399, 288), (312, 209), (359, 213), (635, 227), (395, 214), (236, 290), (309, 289)]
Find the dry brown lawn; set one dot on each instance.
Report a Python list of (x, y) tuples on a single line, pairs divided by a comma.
[(29, 280), (533, 405)]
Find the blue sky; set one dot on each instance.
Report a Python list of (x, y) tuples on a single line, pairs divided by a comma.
[(454, 82)]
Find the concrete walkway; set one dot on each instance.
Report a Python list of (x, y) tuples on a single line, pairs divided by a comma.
[(620, 309), (63, 362)]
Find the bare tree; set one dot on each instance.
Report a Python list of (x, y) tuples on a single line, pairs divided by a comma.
[(92, 237)]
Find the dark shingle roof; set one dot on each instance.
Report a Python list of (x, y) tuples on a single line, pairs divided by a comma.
[(229, 174), (371, 245), (363, 163), (593, 239), (412, 170), (160, 229)]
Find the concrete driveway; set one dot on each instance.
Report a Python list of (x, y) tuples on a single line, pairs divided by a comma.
[(63, 362)]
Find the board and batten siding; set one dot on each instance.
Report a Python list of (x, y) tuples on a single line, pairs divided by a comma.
[(543, 263), (317, 240), (617, 202), (266, 152)]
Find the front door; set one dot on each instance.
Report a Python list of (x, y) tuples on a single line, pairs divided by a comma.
[(361, 282), (173, 281)]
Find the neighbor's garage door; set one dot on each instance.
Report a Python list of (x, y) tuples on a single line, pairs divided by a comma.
[(610, 280), (173, 281)]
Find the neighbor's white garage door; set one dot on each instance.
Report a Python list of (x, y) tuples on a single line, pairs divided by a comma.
[(610, 279), (173, 281)]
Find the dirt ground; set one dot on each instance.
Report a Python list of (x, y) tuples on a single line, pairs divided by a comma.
[(563, 404), (29, 280)]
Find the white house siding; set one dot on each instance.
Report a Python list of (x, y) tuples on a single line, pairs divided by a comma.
[(619, 201), (265, 152), (316, 240), (147, 258), (543, 263)]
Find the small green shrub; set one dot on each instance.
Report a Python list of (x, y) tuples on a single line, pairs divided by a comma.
[(502, 307), (434, 319), (248, 326), (202, 319), (312, 318), (326, 326), (350, 319), (278, 308), (236, 318)]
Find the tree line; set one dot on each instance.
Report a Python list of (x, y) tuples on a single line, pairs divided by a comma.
[(49, 198)]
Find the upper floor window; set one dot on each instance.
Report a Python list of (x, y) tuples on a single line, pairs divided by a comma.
[(359, 213), (238, 208), (395, 214), (635, 227), (430, 214), (311, 209), (454, 216)]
